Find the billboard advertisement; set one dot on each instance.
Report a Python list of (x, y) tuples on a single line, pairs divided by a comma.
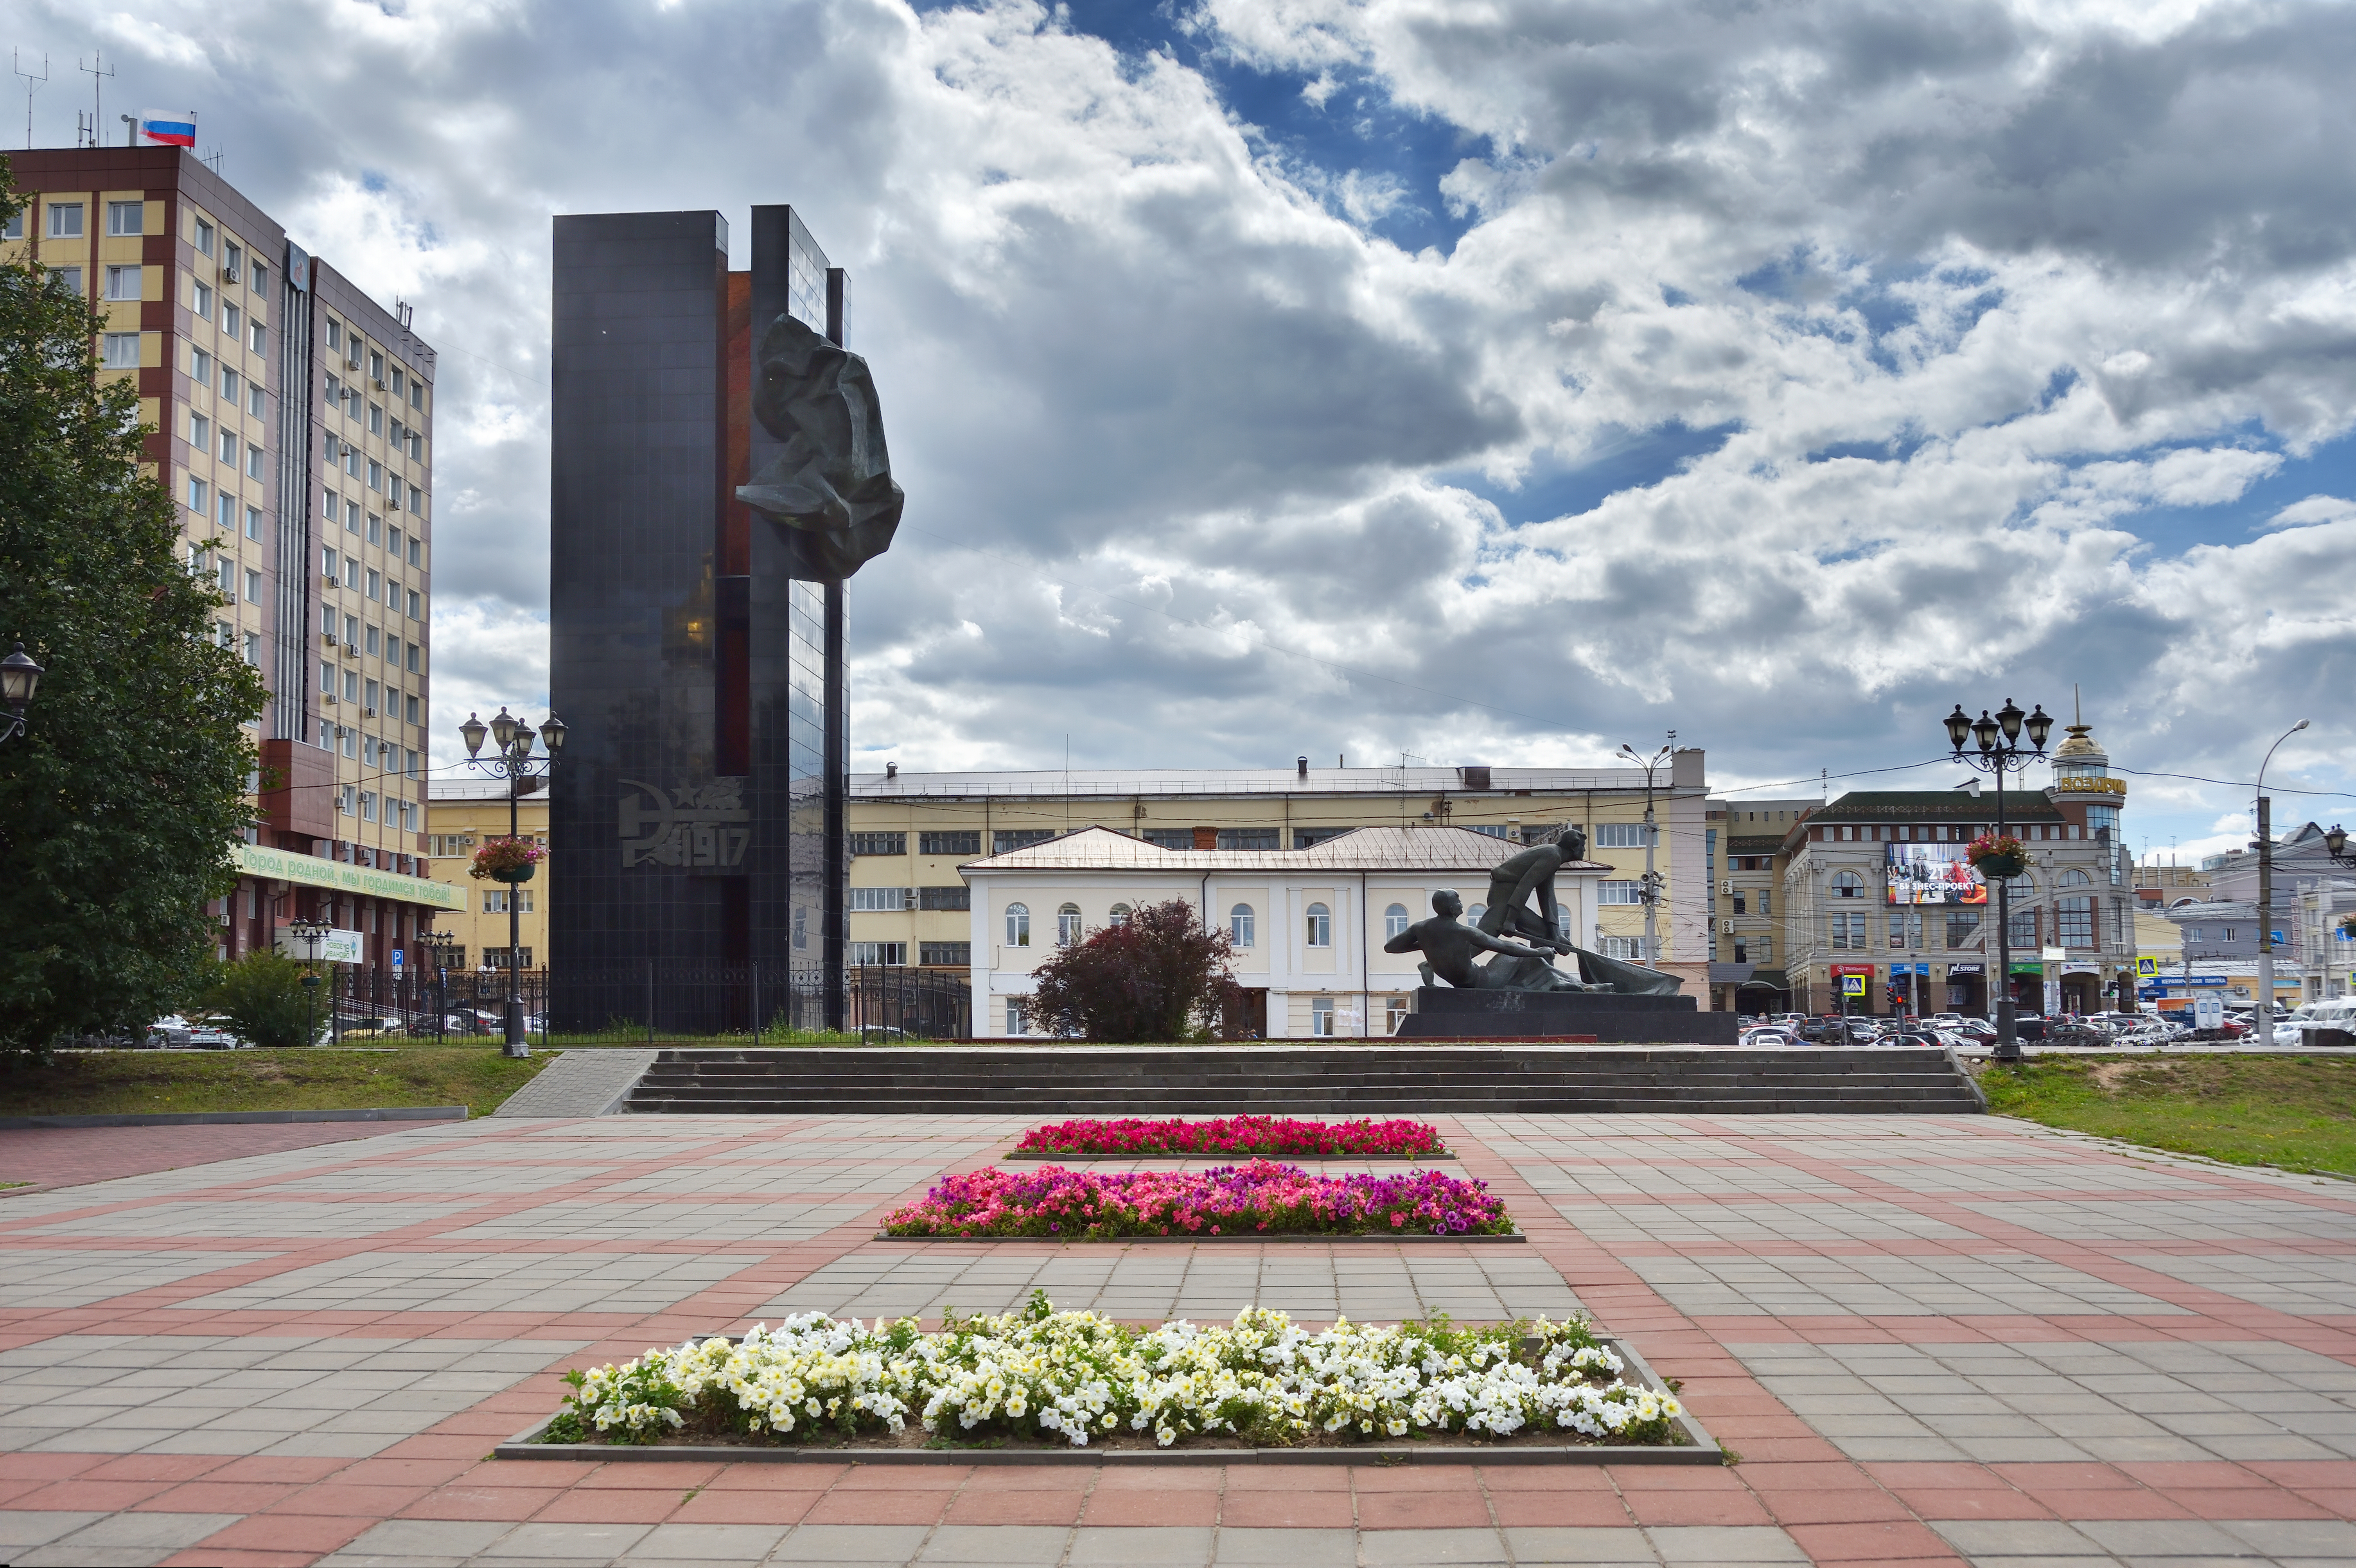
[(1933, 874)]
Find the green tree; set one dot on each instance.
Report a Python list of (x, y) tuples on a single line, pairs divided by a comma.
[(263, 997), (1156, 977), (118, 806)]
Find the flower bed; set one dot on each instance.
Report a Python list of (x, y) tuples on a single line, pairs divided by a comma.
[(1258, 1198), (1236, 1137), (1074, 1378)]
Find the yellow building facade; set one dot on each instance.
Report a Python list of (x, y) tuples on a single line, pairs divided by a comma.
[(460, 814)]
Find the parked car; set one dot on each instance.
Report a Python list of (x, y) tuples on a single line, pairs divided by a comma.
[(213, 1034), (169, 1032), (1770, 1035)]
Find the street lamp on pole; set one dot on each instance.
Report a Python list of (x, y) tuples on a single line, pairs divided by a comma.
[(20, 678), (310, 932), (2264, 1018), (511, 759), (2000, 752), (1651, 888)]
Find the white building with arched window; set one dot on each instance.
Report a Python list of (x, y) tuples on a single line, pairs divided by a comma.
[(1308, 925)]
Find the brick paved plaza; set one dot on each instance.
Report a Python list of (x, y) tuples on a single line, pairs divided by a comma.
[(1928, 1340)]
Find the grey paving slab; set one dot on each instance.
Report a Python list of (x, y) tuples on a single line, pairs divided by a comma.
[(1285, 1548), (1312, 1282), (1743, 1221), (1886, 1285), (1411, 1548), (2064, 1401), (408, 1540), (1142, 1546), (2177, 1219), (1592, 1546), (1724, 1544), (254, 1218), (671, 1543), (35, 1279), (633, 1282), (644, 1219), (126, 1540), (203, 1394), (36, 1527), (993, 1543), (2305, 1285)]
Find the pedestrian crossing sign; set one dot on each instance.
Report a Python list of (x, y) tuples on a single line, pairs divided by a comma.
[(1852, 984), (2147, 968)]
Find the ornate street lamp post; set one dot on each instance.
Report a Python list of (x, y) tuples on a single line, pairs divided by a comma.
[(1650, 889), (2000, 752), (310, 932), (20, 678), (511, 759)]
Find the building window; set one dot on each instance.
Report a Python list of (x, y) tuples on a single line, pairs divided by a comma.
[(1625, 892), (1119, 915), (1309, 838), (1007, 838), (1067, 925), (254, 522), (65, 220), (496, 902), (1249, 838), (1018, 927), (958, 897), (894, 955), (204, 238), (1393, 1014), (1013, 1015), (2022, 931), (1321, 926), (1321, 1016), (1395, 921), (870, 843), (123, 282), (1963, 928), (1848, 931), (119, 351), (344, 802), (1619, 836), (253, 586), (2076, 921), (1629, 948), (1241, 925), (1169, 838), (14, 229), (878, 900), (1847, 885), (945, 955), (253, 649), (367, 805)]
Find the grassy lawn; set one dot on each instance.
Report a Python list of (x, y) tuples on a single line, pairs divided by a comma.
[(109, 1082), (2295, 1113)]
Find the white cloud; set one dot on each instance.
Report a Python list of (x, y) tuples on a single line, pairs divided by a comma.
[(1190, 449)]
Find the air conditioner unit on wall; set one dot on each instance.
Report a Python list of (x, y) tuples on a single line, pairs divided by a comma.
[(1727, 888), (1725, 927)]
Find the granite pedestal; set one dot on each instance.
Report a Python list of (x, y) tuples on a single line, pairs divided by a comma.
[(1444, 1012)]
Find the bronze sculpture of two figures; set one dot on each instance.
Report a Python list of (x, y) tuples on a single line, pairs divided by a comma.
[(1521, 904)]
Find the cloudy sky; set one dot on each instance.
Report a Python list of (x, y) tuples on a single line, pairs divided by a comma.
[(1491, 382)]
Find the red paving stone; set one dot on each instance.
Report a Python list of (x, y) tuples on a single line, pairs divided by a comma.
[(69, 1156)]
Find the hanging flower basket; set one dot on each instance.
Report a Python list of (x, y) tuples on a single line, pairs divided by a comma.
[(508, 859), (1996, 860)]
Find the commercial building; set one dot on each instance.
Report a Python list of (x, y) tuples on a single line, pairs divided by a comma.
[(1877, 884), (1746, 839), (1307, 924), (696, 816), (460, 814), (292, 422), (911, 833)]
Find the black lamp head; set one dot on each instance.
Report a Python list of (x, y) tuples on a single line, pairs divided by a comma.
[(1959, 727)]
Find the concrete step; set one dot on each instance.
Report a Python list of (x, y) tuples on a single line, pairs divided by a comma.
[(1327, 1080)]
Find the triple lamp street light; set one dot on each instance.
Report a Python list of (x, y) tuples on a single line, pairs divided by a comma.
[(511, 759), (2000, 752)]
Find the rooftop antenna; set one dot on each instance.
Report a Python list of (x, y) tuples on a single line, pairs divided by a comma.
[(2077, 718), (97, 88), (33, 84), (213, 159)]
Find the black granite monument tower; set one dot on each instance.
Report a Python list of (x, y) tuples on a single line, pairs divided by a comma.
[(697, 820)]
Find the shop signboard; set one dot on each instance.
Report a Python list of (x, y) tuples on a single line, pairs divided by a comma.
[(329, 947), (1932, 874)]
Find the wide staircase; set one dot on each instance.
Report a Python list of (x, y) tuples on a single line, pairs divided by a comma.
[(1356, 1080)]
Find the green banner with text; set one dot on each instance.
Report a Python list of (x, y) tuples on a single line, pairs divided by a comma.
[(312, 871)]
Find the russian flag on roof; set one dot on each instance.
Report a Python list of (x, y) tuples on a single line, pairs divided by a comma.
[(168, 127)]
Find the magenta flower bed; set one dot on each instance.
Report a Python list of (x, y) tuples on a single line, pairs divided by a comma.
[(1261, 1197), (1237, 1137)]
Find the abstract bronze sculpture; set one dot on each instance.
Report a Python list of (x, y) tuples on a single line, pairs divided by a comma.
[(831, 484)]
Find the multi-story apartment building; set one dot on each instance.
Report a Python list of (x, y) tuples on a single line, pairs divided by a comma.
[(1877, 884), (460, 814), (910, 832), (292, 420), (1746, 838)]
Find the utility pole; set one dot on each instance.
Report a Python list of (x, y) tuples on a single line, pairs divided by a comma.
[(1650, 889), (2264, 1016)]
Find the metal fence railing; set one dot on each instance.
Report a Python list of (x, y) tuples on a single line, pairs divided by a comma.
[(653, 1000)]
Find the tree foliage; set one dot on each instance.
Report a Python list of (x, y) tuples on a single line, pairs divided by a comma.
[(1158, 976), (263, 998), (119, 804)]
